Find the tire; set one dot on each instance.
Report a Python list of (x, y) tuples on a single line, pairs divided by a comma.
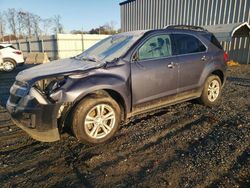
[(9, 65), (211, 93), (89, 127)]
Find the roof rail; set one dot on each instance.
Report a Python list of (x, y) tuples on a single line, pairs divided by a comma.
[(188, 27)]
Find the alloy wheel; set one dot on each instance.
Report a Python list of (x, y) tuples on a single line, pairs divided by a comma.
[(8, 66), (100, 120), (213, 90)]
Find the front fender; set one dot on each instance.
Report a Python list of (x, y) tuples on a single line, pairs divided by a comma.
[(76, 89)]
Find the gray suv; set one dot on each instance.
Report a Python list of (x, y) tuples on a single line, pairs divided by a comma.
[(121, 76)]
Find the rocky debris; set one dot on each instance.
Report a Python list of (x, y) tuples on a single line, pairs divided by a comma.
[(185, 145)]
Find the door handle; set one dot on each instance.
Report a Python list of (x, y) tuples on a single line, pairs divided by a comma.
[(203, 58), (171, 65)]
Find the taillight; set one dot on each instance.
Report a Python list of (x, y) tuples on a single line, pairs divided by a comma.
[(225, 55), (18, 52)]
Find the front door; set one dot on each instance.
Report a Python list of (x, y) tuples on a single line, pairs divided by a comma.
[(154, 72)]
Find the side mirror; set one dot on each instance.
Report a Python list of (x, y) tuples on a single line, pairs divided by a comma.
[(135, 57)]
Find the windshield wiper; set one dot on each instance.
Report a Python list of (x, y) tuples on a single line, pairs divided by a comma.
[(91, 58), (87, 58)]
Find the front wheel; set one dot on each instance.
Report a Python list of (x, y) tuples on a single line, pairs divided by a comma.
[(96, 119), (211, 93)]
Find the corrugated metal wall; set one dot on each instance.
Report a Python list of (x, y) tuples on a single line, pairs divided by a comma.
[(150, 14)]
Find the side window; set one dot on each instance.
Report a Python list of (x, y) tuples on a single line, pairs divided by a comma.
[(186, 44), (156, 47), (216, 42), (213, 39)]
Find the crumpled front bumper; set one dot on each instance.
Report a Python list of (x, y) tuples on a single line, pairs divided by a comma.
[(38, 120)]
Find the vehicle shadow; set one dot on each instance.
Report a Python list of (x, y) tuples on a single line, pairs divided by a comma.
[(239, 81)]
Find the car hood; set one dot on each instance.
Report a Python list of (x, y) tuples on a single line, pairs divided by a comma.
[(56, 68)]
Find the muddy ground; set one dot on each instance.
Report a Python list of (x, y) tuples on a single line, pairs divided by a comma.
[(186, 145)]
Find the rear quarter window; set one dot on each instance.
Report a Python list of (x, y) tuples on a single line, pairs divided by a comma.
[(213, 40)]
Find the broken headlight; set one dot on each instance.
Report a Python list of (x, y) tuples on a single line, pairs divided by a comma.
[(49, 86), (35, 93), (54, 85)]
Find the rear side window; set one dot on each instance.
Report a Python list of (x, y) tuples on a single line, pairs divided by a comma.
[(187, 44), (213, 40), (1, 47)]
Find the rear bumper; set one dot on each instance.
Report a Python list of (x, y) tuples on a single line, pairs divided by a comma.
[(19, 59), (38, 120), (20, 64)]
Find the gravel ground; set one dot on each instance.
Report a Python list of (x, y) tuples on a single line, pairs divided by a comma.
[(185, 145)]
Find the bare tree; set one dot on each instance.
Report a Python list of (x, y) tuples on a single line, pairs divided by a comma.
[(46, 25), (2, 26), (112, 25), (109, 27), (12, 16), (58, 26), (36, 20), (30, 23), (22, 26), (24, 23), (78, 32)]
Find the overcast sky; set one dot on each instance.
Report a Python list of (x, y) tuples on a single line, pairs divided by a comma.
[(75, 14)]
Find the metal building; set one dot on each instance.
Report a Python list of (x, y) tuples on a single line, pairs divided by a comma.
[(152, 14)]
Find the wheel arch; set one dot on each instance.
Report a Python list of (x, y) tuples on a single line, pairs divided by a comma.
[(65, 122), (115, 95), (110, 93), (220, 74), (9, 58), (120, 101)]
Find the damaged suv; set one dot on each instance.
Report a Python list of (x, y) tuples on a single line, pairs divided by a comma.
[(119, 77)]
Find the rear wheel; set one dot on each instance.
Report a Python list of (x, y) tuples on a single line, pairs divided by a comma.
[(9, 65), (96, 119), (211, 93)]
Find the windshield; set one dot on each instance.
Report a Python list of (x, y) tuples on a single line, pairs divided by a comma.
[(110, 48)]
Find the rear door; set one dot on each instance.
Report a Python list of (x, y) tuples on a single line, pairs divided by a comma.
[(154, 73), (192, 58)]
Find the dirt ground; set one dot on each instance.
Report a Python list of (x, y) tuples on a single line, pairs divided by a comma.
[(185, 145)]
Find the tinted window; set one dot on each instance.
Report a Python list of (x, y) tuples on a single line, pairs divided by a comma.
[(1, 47), (156, 47), (213, 40), (186, 44)]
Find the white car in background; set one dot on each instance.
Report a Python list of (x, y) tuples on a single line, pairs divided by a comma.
[(11, 57)]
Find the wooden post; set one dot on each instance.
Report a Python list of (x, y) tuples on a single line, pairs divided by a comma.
[(42, 45)]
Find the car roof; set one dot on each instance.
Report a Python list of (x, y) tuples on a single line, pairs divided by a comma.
[(181, 28), (134, 33)]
